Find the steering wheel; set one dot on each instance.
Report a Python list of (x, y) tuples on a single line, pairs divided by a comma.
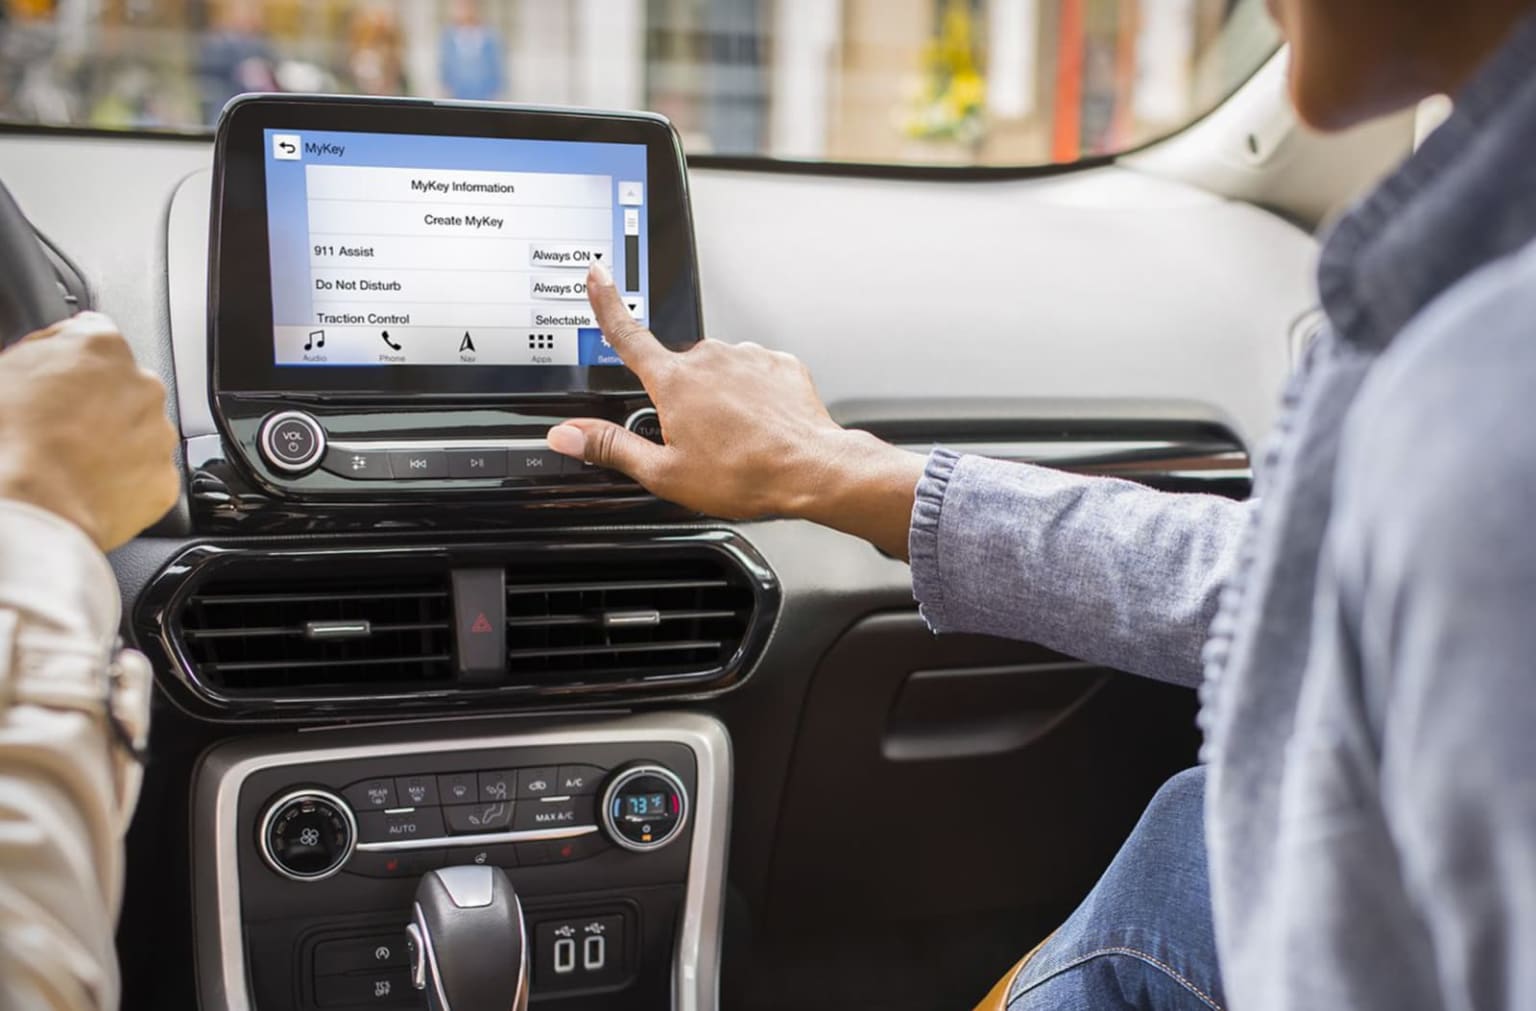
[(30, 296)]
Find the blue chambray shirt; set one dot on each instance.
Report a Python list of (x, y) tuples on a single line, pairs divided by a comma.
[(1364, 631)]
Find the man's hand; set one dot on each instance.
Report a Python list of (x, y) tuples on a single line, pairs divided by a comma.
[(746, 436), (84, 432)]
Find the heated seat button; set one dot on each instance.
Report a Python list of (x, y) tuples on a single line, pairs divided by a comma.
[(578, 780), (477, 463), (358, 464), (475, 819), (396, 864), (570, 812), (400, 826), (562, 851), (414, 465), (535, 463)]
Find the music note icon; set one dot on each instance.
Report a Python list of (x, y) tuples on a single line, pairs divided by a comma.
[(316, 338)]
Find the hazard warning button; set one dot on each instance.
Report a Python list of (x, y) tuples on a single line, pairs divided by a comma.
[(480, 617)]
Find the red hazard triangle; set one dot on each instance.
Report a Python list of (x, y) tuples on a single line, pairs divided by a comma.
[(482, 625)]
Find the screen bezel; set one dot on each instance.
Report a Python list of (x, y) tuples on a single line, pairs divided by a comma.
[(240, 317)]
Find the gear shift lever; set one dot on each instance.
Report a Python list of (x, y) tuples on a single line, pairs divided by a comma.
[(467, 941)]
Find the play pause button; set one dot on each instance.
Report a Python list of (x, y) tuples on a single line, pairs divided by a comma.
[(477, 463)]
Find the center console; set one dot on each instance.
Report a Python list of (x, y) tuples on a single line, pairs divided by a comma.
[(310, 847), (396, 314)]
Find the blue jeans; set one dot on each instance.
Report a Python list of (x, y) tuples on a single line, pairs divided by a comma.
[(1142, 940)]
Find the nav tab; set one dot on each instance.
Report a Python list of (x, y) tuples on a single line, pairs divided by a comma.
[(569, 254)]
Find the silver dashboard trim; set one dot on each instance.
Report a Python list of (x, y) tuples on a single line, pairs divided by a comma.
[(484, 839), (222, 978), (423, 445)]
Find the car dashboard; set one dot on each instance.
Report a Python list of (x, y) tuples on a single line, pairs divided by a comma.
[(679, 736)]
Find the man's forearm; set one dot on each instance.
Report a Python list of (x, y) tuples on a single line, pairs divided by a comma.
[(1101, 569), (866, 489)]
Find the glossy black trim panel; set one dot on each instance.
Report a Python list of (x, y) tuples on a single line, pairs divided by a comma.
[(157, 626)]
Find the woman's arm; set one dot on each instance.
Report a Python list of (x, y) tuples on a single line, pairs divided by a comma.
[(1103, 569)]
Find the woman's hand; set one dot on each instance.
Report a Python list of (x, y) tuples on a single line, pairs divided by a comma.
[(84, 431), (746, 436)]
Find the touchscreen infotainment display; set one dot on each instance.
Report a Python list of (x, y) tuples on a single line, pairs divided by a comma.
[(394, 249)]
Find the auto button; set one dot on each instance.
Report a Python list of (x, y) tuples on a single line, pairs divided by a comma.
[(400, 826)]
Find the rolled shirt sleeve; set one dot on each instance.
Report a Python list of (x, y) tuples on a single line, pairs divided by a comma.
[(67, 785), (1102, 569)]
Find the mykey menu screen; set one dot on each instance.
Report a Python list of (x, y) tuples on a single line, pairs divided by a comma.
[(393, 249)]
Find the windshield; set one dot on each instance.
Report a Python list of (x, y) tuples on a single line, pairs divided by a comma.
[(949, 82)]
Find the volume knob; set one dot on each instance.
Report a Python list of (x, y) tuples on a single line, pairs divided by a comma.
[(644, 807), (291, 441)]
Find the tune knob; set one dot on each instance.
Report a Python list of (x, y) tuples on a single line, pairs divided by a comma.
[(644, 807), (307, 835)]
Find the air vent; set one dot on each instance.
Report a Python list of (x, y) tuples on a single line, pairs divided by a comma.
[(628, 619), (355, 629), (311, 633)]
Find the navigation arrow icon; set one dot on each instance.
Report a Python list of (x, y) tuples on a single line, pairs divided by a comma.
[(466, 344)]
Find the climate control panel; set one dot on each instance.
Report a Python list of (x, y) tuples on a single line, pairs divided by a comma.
[(391, 826)]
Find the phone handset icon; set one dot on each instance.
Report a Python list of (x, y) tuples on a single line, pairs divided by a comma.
[(385, 334)]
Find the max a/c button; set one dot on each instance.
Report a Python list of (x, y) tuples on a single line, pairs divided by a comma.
[(569, 813)]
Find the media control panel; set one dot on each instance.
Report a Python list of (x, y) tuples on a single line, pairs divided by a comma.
[(348, 451)]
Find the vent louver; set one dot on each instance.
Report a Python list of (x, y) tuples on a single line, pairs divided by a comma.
[(319, 634), (626, 620), (256, 631)]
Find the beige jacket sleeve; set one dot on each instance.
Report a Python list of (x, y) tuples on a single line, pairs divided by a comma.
[(67, 787)]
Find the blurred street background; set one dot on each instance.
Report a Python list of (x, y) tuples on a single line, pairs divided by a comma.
[(996, 82)]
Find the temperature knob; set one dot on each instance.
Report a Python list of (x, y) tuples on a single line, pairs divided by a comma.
[(644, 807), (307, 835)]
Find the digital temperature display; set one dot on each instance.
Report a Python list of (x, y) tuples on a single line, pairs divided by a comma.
[(645, 805)]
